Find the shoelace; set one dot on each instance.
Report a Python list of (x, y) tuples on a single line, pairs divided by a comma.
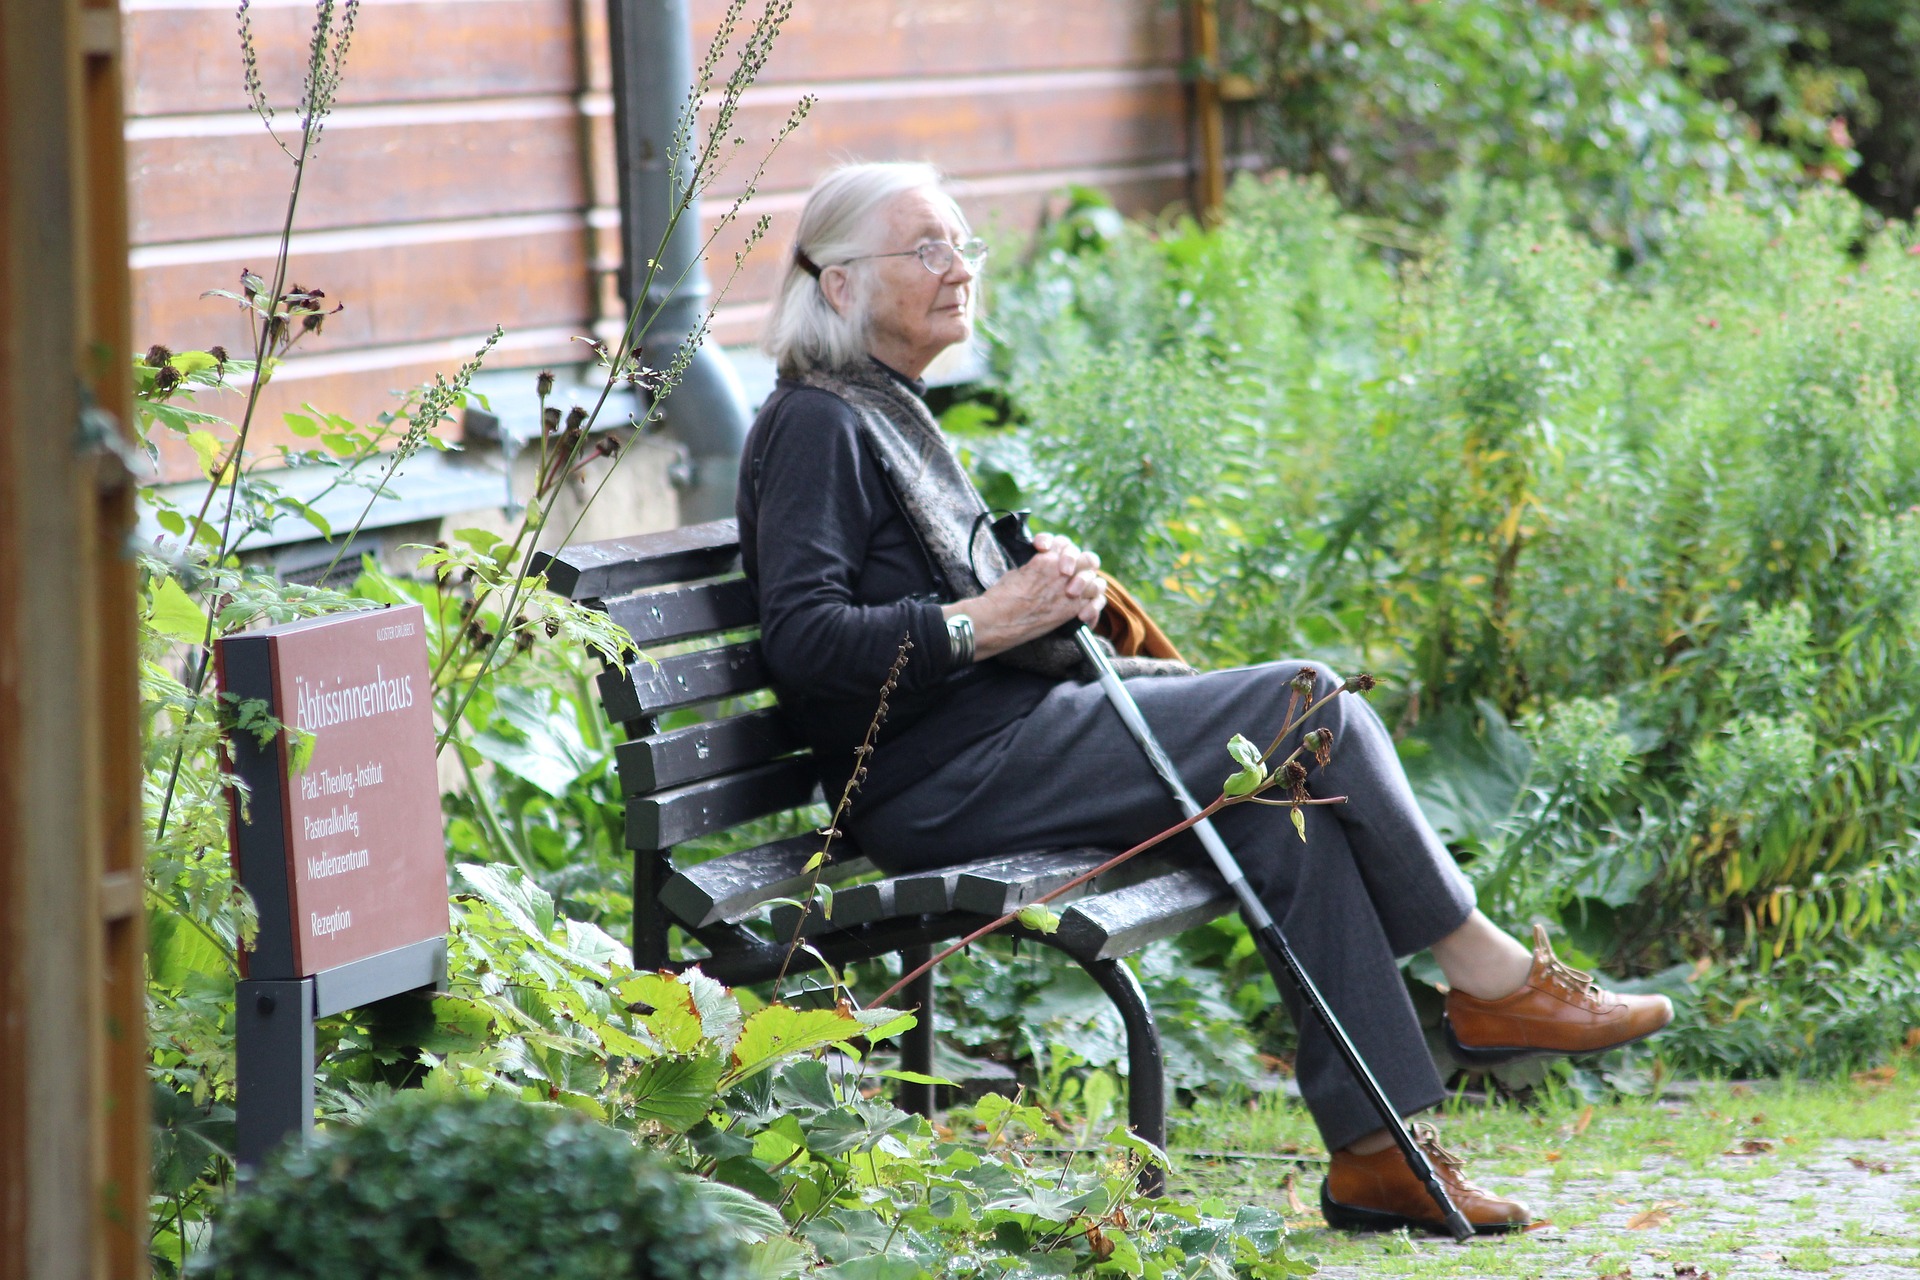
[(1574, 981), (1450, 1165)]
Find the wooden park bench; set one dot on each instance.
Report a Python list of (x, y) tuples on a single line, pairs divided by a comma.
[(682, 588)]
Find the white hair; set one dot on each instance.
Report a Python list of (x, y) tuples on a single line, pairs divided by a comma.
[(840, 221)]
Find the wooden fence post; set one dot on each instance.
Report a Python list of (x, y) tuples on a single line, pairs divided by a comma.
[(73, 1091)]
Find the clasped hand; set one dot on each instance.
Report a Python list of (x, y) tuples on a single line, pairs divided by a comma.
[(1060, 583)]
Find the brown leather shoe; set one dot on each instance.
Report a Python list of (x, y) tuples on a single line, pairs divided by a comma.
[(1378, 1192), (1559, 1010)]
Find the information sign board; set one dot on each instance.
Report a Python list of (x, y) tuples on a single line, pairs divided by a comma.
[(344, 858)]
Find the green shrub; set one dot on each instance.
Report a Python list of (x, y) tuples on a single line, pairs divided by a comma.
[(471, 1187), (1657, 519), (1390, 100)]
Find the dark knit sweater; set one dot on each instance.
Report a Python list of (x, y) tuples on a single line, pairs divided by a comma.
[(841, 578)]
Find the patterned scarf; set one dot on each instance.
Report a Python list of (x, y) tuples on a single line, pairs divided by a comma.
[(945, 510)]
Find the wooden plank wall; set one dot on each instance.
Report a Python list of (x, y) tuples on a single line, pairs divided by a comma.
[(466, 178)]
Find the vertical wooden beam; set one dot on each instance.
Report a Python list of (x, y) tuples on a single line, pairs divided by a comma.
[(119, 894), (1210, 170), (602, 167), (72, 1036)]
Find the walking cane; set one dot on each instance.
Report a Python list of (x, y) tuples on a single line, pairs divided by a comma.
[(1011, 532)]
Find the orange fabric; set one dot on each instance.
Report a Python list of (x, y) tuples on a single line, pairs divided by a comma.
[(1130, 630)]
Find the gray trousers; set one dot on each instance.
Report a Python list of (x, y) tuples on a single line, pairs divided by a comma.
[(1371, 882)]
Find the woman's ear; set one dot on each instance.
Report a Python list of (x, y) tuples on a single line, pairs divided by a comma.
[(836, 286)]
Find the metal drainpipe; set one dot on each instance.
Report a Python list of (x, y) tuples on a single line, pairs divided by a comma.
[(652, 44)]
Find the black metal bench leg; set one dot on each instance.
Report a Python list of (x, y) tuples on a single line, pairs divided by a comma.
[(916, 1046), (1146, 1071), (650, 942)]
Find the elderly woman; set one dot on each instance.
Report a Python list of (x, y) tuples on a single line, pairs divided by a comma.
[(859, 529)]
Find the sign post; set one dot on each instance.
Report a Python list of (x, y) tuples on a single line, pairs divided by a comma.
[(338, 840)]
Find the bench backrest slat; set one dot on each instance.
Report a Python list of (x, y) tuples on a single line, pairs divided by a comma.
[(617, 566), (666, 818), (706, 750), (676, 612), (701, 779), (645, 689)]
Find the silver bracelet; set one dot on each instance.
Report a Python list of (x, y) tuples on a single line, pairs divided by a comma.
[(960, 639)]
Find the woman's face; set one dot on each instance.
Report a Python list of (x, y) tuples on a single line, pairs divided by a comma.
[(913, 314)]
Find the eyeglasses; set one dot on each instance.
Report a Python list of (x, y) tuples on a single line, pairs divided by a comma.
[(937, 255)]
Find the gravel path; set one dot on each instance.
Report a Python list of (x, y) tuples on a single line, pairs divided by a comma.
[(1849, 1209)]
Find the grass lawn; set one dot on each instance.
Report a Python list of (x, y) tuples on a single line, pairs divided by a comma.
[(1769, 1179)]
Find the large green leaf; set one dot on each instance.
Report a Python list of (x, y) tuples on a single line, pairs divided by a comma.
[(780, 1032), (175, 615), (511, 893), (186, 1139), (719, 1008), (1468, 769), (546, 747), (666, 1008), (751, 1219), (675, 1092), (176, 951), (776, 1258)]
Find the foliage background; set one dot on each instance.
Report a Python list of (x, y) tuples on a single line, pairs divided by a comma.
[(1635, 548)]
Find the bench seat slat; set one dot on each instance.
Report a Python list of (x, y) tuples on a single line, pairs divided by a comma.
[(730, 887), (1000, 885), (853, 906), (989, 888), (699, 751), (1115, 924), (597, 570), (667, 818), (690, 609), (644, 689), (925, 893)]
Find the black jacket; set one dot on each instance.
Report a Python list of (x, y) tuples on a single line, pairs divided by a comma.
[(841, 581)]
